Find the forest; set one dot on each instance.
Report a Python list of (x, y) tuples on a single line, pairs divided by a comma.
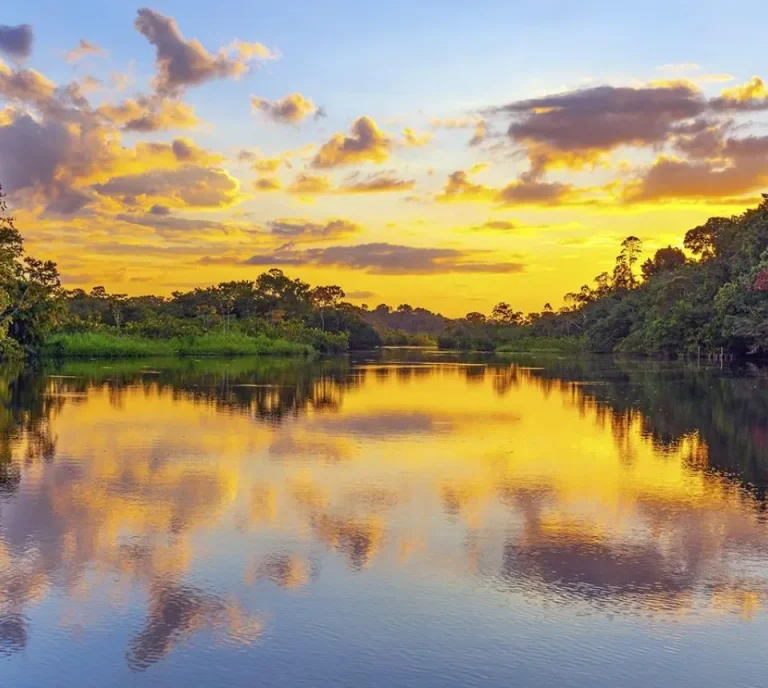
[(710, 294)]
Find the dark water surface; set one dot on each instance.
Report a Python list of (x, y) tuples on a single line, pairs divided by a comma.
[(401, 519)]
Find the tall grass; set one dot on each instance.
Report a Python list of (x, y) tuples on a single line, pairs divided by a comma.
[(106, 345)]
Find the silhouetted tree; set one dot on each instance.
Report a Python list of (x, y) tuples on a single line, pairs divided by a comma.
[(668, 258)]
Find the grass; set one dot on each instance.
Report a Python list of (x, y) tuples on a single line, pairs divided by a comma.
[(105, 345)]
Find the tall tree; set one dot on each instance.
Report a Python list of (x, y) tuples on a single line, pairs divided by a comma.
[(624, 272), (29, 288), (504, 314), (326, 297)]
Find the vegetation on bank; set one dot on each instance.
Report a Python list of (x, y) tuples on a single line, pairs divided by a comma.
[(271, 315), (711, 297), (106, 345)]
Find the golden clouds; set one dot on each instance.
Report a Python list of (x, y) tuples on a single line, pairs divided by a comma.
[(752, 95), (293, 109), (754, 88), (184, 187), (250, 51), (307, 231), (25, 86), (382, 258), (458, 187), (310, 184), (416, 139), (675, 179), (529, 189), (147, 114), (380, 182), (604, 117), (366, 143), (65, 156)]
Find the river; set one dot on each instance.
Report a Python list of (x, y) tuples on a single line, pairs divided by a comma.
[(403, 518)]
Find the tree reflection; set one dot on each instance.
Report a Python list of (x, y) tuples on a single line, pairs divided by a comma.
[(267, 389), (27, 401), (726, 409)]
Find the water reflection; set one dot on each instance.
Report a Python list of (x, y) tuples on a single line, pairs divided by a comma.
[(175, 612), (614, 487)]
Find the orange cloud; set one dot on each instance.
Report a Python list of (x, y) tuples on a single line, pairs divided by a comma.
[(293, 109), (25, 86), (188, 186), (752, 95), (367, 143), (381, 182), (309, 184), (151, 114), (527, 190)]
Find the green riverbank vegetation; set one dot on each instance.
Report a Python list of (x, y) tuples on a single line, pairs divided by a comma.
[(710, 295)]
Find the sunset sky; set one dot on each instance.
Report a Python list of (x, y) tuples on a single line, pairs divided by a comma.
[(449, 155)]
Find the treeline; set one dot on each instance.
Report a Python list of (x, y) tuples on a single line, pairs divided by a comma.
[(712, 298), (273, 307), (271, 314), (669, 304)]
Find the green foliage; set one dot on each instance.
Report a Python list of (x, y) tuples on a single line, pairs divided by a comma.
[(669, 258), (682, 307), (30, 304), (108, 345)]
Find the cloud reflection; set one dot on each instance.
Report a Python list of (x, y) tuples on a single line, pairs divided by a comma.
[(553, 482)]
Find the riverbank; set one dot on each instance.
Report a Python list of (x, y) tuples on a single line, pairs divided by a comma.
[(107, 345)]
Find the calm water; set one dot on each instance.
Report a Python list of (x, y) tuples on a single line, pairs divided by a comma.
[(398, 520)]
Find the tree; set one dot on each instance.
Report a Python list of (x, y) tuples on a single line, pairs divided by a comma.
[(117, 307), (504, 314), (669, 258), (274, 290), (623, 273), (326, 297), (30, 290), (707, 240), (475, 318), (405, 308)]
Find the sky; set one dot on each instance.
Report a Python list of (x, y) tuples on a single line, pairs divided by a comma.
[(449, 155)]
